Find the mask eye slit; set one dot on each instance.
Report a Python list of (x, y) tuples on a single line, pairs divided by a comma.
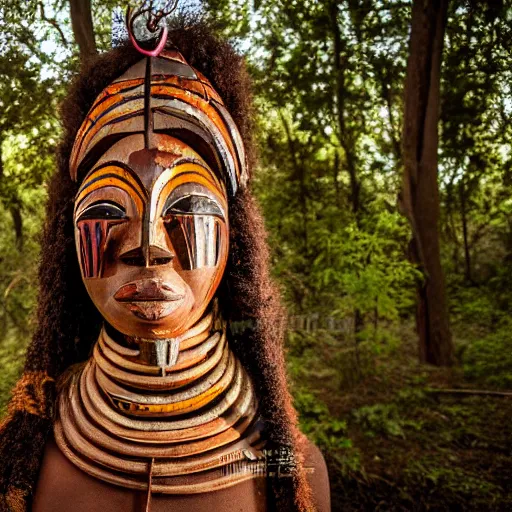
[(192, 205), (105, 210)]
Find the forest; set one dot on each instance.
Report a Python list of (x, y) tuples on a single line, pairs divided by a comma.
[(385, 177)]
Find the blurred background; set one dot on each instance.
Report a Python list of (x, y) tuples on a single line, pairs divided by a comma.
[(396, 266)]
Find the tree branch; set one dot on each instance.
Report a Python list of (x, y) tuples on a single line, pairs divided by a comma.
[(83, 30), (53, 23), (469, 392)]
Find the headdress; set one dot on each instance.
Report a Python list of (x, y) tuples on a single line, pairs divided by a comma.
[(163, 94)]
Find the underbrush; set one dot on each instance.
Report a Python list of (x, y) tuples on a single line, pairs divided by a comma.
[(488, 360), (391, 442), (482, 327)]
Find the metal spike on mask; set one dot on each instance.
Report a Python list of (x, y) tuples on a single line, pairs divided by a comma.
[(145, 21), (167, 352), (174, 350), (161, 350)]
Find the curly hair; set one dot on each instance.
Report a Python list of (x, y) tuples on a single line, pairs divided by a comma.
[(68, 322)]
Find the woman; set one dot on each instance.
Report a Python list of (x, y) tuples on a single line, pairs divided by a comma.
[(156, 379)]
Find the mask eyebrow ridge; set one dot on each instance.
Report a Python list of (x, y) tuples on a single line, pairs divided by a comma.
[(133, 183), (140, 188)]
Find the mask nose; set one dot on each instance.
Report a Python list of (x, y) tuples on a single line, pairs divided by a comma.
[(153, 249), (151, 257)]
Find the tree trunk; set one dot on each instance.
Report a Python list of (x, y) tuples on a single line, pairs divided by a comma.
[(467, 253), (346, 141), (335, 172), (14, 205), (17, 219), (344, 136), (421, 191), (388, 98), (299, 174), (83, 29)]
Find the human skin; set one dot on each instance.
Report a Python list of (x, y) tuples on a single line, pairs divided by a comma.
[(61, 483), (151, 232)]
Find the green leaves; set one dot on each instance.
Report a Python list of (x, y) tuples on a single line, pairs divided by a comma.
[(489, 360), (365, 268), (326, 431), (380, 419)]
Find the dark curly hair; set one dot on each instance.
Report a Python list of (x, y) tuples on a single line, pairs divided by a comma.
[(68, 322)]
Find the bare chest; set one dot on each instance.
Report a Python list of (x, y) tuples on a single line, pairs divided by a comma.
[(64, 487)]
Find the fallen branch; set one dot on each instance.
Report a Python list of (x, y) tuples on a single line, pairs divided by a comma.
[(468, 392)]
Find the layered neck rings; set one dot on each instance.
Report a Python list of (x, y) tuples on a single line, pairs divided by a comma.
[(186, 428)]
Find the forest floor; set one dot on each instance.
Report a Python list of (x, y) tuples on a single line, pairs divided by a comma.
[(392, 443)]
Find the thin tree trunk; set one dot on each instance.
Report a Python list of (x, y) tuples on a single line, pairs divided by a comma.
[(14, 206), (421, 190), (335, 172), (299, 174), (346, 141), (395, 138), (17, 219), (343, 135), (467, 254), (83, 29)]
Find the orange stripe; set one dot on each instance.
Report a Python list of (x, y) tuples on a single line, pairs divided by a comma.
[(180, 176), (178, 81), (112, 181), (189, 405), (114, 90), (203, 106), (110, 96), (92, 128)]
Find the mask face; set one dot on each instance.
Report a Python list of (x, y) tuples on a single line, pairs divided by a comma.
[(151, 232)]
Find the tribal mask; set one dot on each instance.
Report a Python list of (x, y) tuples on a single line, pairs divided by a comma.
[(159, 155)]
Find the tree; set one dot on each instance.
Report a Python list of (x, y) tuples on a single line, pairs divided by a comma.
[(28, 105), (475, 125), (329, 77), (421, 190), (83, 29)]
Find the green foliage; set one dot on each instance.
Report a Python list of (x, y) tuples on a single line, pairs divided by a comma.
[(18, 257), (383, 340), (366, 269), (438, 478), (33, 55), (489, 360), (330, 359), (326, 431), (316, 422), (383, 419), (475, 306)]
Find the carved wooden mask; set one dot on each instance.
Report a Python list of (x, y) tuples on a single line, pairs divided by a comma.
[(159, 158)]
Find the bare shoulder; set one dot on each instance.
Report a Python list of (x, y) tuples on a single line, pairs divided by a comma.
[(317, 475)]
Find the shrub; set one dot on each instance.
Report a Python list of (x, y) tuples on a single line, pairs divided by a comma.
[(489, 359)]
